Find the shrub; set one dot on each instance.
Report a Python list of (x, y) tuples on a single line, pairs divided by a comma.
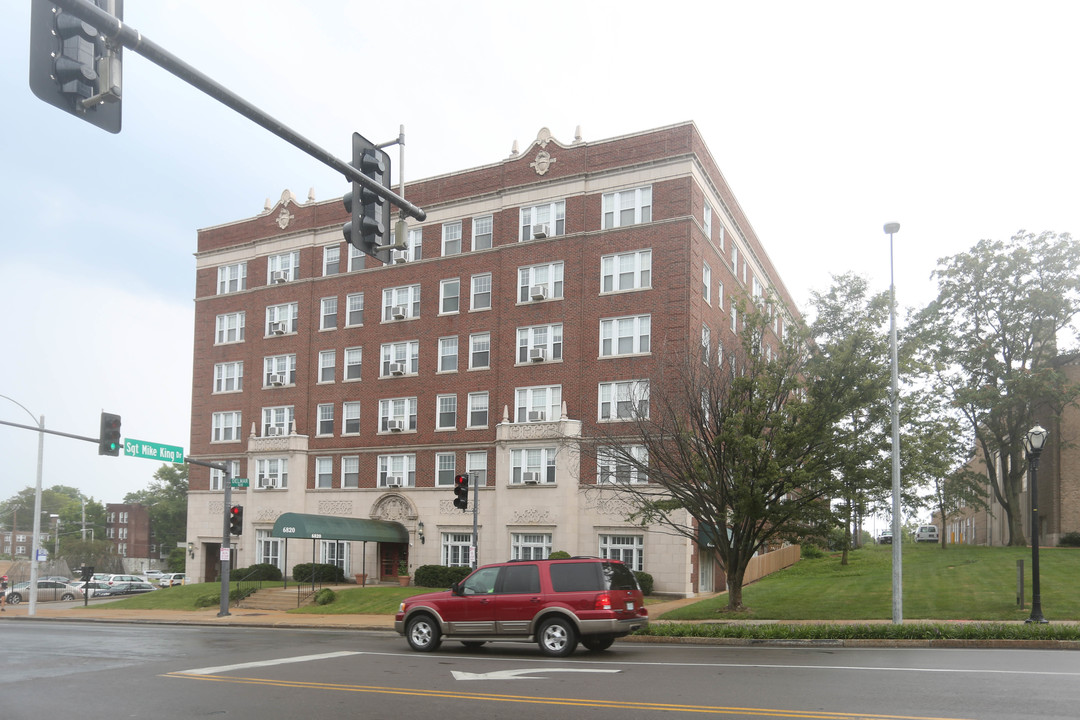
[(1070, 539), (645, 580), (812, 552), (207, 600), (325, 596), (439, 576), (559, 555), (319, 572), (238, 594), (261, 571)]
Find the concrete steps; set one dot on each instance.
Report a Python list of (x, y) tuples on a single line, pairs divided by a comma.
[(277, 599)]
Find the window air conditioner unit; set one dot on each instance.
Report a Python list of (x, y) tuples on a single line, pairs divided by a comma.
[(393, 481), (530, 478), (277, 328), (538, 354), (397, 368), (541, 231), (398, 312), (274, 431), (279, 276), (538, 292), (401, 256), (267, 482), (277, 380), (537, 416), (395, 425)]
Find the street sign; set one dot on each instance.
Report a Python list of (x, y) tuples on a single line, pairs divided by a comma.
[(238, 482), (153, 451)]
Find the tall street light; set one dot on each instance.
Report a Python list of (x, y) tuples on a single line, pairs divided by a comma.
[(32, 610), (1033, 443), (897, 558)]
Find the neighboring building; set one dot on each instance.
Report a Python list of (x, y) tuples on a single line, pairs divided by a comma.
[(528, 312), (127, 527), (17, 544)]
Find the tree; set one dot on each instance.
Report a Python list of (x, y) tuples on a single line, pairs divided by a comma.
[(166, 498), (735, 448), (990, 339)]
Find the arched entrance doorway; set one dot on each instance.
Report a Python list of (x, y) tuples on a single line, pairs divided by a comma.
[(392, 555)]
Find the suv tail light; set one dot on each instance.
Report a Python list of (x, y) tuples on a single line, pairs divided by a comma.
[(603, 602)]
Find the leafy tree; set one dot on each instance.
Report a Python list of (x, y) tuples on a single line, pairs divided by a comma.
[(166, 500), (990, 339)]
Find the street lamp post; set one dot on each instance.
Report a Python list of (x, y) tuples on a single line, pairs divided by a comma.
[(32, 609), (897, 558), (1033, 442)]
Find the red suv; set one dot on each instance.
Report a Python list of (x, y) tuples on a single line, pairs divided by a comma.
[(555, 603)]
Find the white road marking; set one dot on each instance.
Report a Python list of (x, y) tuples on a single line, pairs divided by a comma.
[(266, 663), (521, 674)]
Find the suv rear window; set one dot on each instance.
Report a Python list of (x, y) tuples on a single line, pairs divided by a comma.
[(619, 577)]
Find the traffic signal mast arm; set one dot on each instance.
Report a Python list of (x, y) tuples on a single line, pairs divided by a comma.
[(133, 40)]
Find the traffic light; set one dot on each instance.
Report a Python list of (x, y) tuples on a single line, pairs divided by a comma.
[(87, 573), (461, 492), (109, 437), (236, 520), (73, 67), (368, 230)]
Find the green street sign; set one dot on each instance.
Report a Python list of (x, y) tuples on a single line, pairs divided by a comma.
[(153, 451), (238, 482)]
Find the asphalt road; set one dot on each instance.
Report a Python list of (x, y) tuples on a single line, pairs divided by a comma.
[(120, 670)]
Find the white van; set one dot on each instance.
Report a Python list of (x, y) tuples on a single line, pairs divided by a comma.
[(926, 533)]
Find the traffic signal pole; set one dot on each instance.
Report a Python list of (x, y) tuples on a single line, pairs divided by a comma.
[(226, 538), (130, 38)]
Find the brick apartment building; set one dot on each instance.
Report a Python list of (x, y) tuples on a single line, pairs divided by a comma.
[(128, 528), (527, 314)]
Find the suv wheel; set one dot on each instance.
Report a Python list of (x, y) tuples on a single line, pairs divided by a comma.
[(557, 638), (423, 633), (14, 599), (596, 643)]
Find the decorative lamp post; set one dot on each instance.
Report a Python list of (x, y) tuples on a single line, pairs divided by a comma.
[(897, 558), (1033, 443)]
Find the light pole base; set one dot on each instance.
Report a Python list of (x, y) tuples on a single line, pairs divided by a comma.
[(1036, 618)]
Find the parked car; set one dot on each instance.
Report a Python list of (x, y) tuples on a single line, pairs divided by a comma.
[(152, 575), (125, 588), (113, 579), (170, 579), (885, 538), (926, 533), (92, 587), (46, 590), (554, 603)]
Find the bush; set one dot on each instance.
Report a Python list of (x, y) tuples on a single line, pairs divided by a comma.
[(207, 600), (238, 594), (559, 555), (261, 571), (325, 596), (439, 576), (1070, 539), (307, 572), (812, 552), (645, 580)]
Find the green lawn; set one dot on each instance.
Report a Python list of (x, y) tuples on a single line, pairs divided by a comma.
[(962, 582)]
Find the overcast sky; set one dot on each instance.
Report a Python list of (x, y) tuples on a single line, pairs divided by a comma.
[(828, 119)]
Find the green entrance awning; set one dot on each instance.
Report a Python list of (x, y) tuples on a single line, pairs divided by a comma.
[(328, 527)]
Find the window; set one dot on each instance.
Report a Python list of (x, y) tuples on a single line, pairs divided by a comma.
[(538, 461), (217, 477), (231, 278), (334, 552), (626, 271), (401, 358), (355, 312), (416, 245), (625, 335), (627, 207), (540, 342), (281, 318), (538, 404), (353, 358), (272, 472), (327, 365), (357, 259), (230, 328), (628, 400), (448, 354), (734, 319), (228, 377), (279, 370), (331, 260), (544, 220), (539, 282), (451, 238), (720, 295), (456, 548), (400, 411), (285, 266), (328, 314), (401, 302), (706, 283), (708, 220), (277, 420), (530, 546), (445, 468), (397, 470), (446, 413), (350, 471), (758, 290), (326, 419), (481, 292), (226, 427), (735, 260), (449, 296), (630, 549), (481, 232), (476, 467), (350, 418), (479, 351), (324, 472), (268, 549), (478, 410), (621, 465), (721, 243)]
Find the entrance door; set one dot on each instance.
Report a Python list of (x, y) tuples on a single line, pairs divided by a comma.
[(390, 557)]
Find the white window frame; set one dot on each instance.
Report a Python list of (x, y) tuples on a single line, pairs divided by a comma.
[(402, 409), (623, 400), (706, 283), (229, 328), (549, 338), (530, 546), (276, 468), (625, 272), (402, 465), (328, 313), (225, 426), (448, 354), (480, 292), (350, 417), (229, 377), (350, 471), (476, 467), (630, 549), (627, 207), (479, 402), (217, 477), (331, 260), (232, 278), (720, 295), (446, 412), (407, 296), (354, 314), (618, 332), (324, 473), (407, 351), (327, 366), (324, 424), (287, 263), (480, 345), (279, 416), (533, 459), (354, 359), (279, 365), (612, 468), (456, 549), (450, 296), (549, 275), (483, 236), (284, 313), (451, 238), (553, 214), (445, 468), (707, 220), (538, 397)]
